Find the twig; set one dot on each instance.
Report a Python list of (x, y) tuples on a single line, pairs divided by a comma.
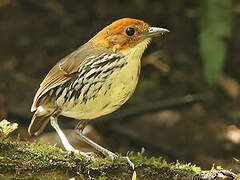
[(126, 114)]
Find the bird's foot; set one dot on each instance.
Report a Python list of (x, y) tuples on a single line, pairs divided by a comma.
[(87, 155), (71, 149), (113, 156), (90, 155), (129, 162), (110, 154)]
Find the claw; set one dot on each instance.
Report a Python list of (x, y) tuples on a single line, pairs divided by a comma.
[(88, 155), (129, 162), (110, 154), (113, 156)]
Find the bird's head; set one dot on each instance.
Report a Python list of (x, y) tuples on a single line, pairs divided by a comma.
[(125, 34)]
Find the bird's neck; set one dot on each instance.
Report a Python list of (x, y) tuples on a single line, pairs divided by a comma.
[(137, 51)]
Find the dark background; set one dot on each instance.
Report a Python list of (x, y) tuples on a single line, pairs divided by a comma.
[(173, 113)]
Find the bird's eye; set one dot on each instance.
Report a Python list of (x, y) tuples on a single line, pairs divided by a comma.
[(130, 31)]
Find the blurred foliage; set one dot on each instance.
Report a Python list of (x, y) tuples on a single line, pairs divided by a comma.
[(215, 27)]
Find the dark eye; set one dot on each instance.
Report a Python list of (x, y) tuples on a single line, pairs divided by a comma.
[(130, 31)]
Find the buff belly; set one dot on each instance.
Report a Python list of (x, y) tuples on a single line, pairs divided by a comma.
[(114, 92)]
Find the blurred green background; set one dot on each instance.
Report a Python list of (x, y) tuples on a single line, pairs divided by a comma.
[(186, 106)]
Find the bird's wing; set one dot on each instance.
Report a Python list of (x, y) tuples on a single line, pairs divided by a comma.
[(62, 72)]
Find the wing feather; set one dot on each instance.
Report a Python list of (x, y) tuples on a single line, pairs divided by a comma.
[(64, 70)]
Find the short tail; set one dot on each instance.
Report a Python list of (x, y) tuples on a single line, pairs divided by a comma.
[(39, 121)]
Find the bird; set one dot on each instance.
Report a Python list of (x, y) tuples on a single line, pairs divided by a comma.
[(94, 80)]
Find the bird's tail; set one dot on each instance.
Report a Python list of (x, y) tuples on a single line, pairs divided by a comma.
[(39, 121)]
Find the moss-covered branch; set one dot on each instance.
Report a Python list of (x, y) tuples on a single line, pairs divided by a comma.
[(42, 161)]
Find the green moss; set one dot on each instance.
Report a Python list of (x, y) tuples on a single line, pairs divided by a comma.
[(40, 160)]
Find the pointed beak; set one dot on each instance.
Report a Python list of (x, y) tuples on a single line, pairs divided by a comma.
[(155, 31)]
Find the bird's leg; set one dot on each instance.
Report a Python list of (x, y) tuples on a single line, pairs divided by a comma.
[(63, 138), (99, 148), (96, 146), (79, 130)]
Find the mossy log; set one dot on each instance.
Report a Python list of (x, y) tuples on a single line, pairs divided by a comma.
[(40, 161)]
